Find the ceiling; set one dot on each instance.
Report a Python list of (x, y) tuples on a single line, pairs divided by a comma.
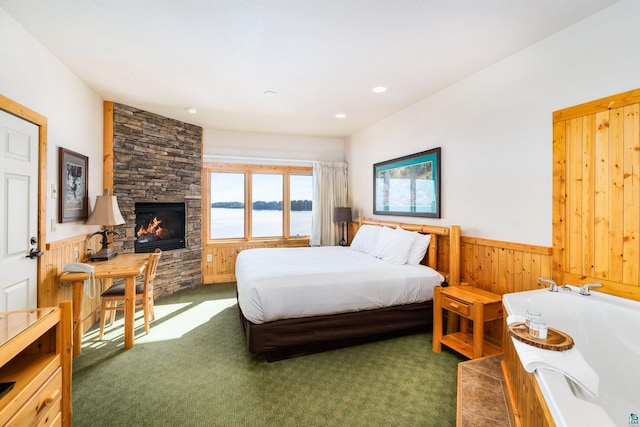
[(321, 57)]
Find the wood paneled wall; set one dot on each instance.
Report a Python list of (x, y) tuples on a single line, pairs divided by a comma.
[(503, 267), (596, 194), (50, 290)]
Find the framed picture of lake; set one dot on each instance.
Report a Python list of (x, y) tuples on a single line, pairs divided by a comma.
[(73, 170), (408, 186)]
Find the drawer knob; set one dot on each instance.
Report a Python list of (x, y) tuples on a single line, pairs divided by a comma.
[(454, 305), (51, 398)]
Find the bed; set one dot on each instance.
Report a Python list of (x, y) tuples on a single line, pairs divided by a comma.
[(296, 301)]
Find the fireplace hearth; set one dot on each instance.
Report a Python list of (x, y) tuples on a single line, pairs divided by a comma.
[(159, 225)]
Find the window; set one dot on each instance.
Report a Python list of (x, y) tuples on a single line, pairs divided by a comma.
[(266, 215), (227, 205), (251, 201), (301, 196)]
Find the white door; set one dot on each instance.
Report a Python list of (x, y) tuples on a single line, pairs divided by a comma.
[(18, 213)]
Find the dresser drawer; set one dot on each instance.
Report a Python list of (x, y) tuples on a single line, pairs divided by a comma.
[(460, 307), (43, 407)]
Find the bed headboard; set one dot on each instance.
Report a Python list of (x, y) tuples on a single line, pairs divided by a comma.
[(443, 254)]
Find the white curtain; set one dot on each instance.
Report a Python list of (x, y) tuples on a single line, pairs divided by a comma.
[(329, 191)]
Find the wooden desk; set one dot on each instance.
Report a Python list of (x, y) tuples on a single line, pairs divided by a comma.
[(127, 266)]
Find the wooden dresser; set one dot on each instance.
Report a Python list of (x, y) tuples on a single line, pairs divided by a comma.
[(35, 353)]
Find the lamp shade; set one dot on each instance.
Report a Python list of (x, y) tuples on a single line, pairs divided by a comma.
[(341, 214), (106, 212)]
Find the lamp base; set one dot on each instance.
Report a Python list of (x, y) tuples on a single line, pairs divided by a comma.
[(104, 254)]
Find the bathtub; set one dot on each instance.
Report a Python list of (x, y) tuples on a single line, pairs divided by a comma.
[(606, 330)]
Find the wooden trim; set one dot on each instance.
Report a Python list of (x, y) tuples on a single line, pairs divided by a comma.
[(68, 241), (240, 167), (542, 250), (21, 111), (286, 201), (65, 343), (420, 228), (204, 228), (599, 105), (454, 255), (608, 287), (107, 147), (39, 120), (258, 242)]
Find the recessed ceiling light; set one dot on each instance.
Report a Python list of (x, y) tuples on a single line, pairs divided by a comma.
[(191, 110), (270, 93), (340, 116), (379, 89)]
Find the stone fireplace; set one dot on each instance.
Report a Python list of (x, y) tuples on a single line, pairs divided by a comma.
[(158, 160)]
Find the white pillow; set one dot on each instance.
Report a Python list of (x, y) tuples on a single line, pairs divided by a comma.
[(393, 245), (365, 238), (419, 248)]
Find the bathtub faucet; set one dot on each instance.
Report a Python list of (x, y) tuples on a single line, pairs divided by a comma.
[(584, 290), (553, 286)]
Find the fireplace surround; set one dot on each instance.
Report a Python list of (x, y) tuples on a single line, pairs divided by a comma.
[(159, 160), (159, 225)]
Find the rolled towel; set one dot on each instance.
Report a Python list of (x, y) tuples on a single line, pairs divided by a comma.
[(569, 363)]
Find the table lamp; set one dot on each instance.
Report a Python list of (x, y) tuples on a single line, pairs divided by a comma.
[(106, 213), (342, 215)]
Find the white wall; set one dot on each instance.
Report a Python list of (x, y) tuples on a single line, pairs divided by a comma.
[(230, 144), (495, 128), (33, 77)]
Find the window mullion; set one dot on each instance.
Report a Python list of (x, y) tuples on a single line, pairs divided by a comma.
[(248, 211), (286, 205)]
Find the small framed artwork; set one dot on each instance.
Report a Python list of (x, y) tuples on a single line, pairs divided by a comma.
[(73, 169), (408, 186)]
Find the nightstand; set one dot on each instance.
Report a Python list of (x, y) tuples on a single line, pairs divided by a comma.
[(470, 303)]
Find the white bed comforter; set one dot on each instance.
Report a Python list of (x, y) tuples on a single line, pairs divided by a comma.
[(285, 283)]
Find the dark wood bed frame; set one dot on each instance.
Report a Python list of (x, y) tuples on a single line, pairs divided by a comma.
[(283, 339)]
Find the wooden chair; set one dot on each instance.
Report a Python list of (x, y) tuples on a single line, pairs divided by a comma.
[(113, 298)]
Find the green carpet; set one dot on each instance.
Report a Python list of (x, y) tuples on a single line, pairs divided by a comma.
[(193, 369)]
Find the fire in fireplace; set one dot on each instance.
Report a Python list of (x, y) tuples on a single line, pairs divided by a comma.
[(159, 225)]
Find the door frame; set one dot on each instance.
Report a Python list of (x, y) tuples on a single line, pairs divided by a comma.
[(39, 120)]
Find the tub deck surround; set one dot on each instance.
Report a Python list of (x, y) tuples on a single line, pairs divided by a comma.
[(604, 329)]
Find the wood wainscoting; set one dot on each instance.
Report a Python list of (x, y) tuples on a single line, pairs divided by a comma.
[(50, 290), (497, 266), (502, 267), (219, 259)]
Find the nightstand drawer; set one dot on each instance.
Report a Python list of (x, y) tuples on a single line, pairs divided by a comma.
[(460, 307)]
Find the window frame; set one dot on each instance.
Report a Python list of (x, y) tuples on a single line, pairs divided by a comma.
[(249, 170)]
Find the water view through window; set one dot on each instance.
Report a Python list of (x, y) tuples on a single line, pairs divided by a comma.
[(267, 216)]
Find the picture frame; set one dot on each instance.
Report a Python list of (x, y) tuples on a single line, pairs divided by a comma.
[(73, 170), (409, 185)]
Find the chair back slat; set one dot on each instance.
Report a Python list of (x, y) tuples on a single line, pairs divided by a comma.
[(152, 267)]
